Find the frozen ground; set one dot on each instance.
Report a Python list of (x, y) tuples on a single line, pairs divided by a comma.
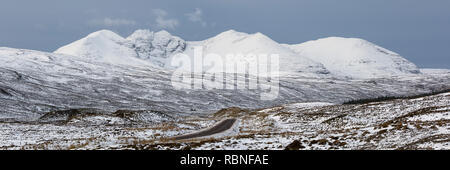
[(419, 123)]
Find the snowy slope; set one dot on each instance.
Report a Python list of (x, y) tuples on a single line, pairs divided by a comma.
[(419, 123), (107, 46), (103, 45), (159, 47), (355, 58), (34, 83), (233, 42), (156, 47), (342, 57), (108, 72)]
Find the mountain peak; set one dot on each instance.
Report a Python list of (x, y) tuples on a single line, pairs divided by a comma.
[(104, 33), (231, 33), (347, 57), (163, 32), (355, 43), (103, 45), (106, 45), (233, 42), (261, 36), (141, 34), (355, 57)]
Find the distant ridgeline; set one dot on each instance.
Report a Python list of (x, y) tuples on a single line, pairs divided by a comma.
[(387, 98)]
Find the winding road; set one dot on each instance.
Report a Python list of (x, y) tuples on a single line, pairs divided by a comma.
[(220, 127)]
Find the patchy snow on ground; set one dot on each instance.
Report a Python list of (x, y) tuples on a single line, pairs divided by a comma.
[(421, 123)]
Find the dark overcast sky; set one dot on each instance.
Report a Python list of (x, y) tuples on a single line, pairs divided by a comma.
[(417, 29)]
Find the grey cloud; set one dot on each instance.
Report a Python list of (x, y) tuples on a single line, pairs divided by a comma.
[(196, 17), (164, 22)]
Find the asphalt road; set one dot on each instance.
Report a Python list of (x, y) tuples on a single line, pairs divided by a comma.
[(217, 128)]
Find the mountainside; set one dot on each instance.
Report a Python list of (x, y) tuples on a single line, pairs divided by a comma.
[(110, 47), (107, 72), (102, 45), (34, 83), (235, 43), (355, 58), (156, 47)]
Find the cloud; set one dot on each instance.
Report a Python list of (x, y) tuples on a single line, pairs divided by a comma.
[(112, 22), (196, 16), (161, 20)]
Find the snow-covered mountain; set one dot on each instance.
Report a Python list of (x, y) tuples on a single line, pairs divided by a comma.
[(105, 45), (34, 83), (156, 47), (355, 58), (342, 57), (159, 47), (104, 84), (233, 42), (108, 72)]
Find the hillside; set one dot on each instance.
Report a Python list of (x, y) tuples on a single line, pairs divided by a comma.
[(34, 83), (418, 123)]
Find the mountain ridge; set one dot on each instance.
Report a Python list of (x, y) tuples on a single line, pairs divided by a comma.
[(35, 82), (352, 58)]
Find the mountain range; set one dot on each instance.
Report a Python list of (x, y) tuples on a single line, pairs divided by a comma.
[(108, 72), (340, 57)]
